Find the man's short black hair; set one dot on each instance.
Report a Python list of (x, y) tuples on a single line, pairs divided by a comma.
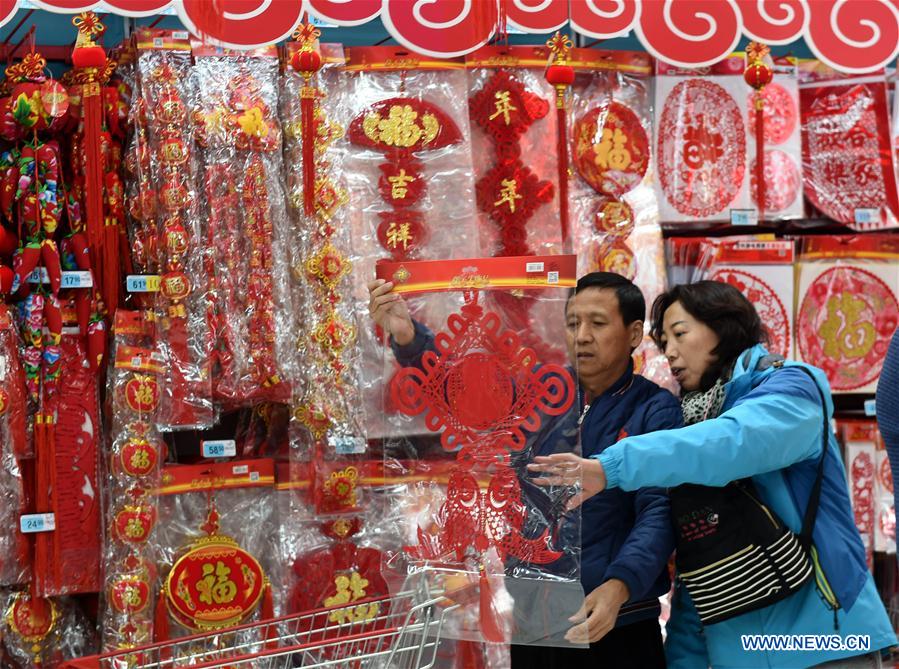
[(631, 303)]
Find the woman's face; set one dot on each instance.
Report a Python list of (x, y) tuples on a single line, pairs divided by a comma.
[(688, 344)]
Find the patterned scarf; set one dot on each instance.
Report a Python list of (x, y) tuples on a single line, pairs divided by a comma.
[(699, 406)]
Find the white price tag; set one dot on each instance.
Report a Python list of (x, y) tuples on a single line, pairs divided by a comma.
[(744, 217), (220, 448), (237, 470), (864, 216), (534, 267), (77, 280), (37, 522), (347, 445), (142, 283), (870, 409), (39, 275)]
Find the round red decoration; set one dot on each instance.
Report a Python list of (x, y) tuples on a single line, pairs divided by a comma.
[(170, 109), (133, 524), (213, 585), (130, 594), (401, 232), (766, 302), (614, 217), (614, 255), (402, 183), (782, 181), (175, 286), (611, 150), (886, 475), (138, 457), (31, 618), (701, 148), (757, 75), (844, 325), (781, 114), (142, 393)]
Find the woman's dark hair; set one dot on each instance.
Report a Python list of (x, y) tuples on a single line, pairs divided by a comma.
[(725, 310)]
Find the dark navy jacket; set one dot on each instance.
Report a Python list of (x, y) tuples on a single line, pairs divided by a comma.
[(624, 535)]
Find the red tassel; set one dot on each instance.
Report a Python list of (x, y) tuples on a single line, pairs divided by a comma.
[(161, 620), (307, 110), (111, 265), (469, 655), (562, 152), (82, 310), (92, 110), (760, 152), (41, 501), (491, 627), (268, 612)]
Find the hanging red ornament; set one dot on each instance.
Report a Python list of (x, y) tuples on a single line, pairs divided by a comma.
[(611, 149), (307, 61), (759, 74), (561, 75)]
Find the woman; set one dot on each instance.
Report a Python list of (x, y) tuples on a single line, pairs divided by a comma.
[(748, 416)]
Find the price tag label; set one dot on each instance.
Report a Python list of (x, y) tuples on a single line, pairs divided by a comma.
[(179, 34), (142, 283), (866, 216), (77, 280), (533, 267), (220, 448), (870, 409), (37, 522), (348, 445), (39, 275), (744, 217)]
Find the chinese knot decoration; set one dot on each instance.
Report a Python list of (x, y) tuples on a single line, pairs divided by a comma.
[(509, 192), (561, 75), (307, 61), (401, 127), (759, 74)]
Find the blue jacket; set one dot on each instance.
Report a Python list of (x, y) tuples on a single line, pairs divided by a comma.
[(624, 535), (769, 429), (888, 407)]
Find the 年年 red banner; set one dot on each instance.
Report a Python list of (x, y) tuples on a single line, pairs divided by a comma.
[(861, 36)]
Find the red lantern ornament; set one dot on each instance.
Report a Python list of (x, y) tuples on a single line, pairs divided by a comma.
[(561, 75), (307, 60)]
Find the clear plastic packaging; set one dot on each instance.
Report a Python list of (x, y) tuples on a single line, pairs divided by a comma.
[(133, 460), (248, 231), (860, 452), (183, 302), (404, 96), (847, 154), (612, 203), (472, 520), (43, 633), (216, 547), (14, 448)]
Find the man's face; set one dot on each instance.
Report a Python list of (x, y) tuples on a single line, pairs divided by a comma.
[(598, 341)]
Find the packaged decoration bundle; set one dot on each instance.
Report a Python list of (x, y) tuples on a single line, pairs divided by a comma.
[(168, 94), (489, 405), (247, 229), (407, 169)]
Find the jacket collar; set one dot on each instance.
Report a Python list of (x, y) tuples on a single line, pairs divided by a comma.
[(620, 386)]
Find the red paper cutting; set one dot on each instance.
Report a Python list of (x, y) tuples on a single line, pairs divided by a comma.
[(847, 157), (701, 148), (765, 300), (782, 180), (482, 390), (844, 325), (780, 113)]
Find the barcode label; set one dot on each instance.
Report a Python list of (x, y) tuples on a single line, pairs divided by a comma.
[(179, 34), (240, 469), (220, 448), (37, 522), (347, 445), (534, 267)]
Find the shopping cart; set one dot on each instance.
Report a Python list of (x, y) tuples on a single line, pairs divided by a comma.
[(398, 632)]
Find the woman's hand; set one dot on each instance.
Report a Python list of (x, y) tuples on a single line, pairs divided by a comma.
[(569, 469), (389, 310)]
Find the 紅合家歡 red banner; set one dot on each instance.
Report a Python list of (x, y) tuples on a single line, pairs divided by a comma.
[(859, 36)]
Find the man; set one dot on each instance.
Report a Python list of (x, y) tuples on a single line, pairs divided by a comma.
[(626, 537)]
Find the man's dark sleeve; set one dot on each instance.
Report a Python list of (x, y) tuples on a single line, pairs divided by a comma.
[(887, 405), (410, 354), (645, 552)]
